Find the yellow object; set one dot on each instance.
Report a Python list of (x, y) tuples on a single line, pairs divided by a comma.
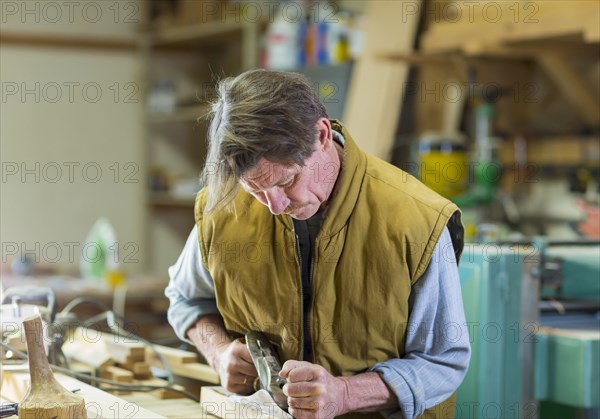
[(443, 165), (115, 278)]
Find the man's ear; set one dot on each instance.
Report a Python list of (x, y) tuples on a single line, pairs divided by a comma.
[(324, 135)]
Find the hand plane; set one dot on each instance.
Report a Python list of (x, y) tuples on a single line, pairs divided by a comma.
[(268, 366)]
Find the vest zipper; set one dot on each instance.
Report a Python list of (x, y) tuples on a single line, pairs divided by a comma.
[(312, 300), (297, 247)]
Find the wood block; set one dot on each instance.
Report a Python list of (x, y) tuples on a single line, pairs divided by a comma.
[(171, 355), (199, 372), (88, 354), (140, 370), (163, 393), (123, 350), (117, 374)]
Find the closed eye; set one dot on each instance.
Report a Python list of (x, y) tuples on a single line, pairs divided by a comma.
[(289, 183)]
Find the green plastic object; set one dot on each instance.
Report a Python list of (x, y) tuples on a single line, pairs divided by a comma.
[(486, 177), (100, 252), (494, 293), (580, 271), (568, 368)]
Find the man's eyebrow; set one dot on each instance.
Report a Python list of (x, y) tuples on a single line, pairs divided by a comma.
[(286, 179), (246, 186)]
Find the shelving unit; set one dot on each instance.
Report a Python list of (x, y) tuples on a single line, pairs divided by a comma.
[(211, 34), (68, 41), (165, 200), (191, 57), (183, 114)]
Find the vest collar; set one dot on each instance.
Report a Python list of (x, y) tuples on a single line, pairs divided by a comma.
[(346, 190), (348, 185)]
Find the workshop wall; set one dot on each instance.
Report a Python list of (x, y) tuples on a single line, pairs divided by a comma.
[(72, 134)]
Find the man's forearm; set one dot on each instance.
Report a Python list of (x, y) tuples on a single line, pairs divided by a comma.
[(209, 335), (368, 392)]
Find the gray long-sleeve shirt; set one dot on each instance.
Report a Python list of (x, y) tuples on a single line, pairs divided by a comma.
[(437, 349)]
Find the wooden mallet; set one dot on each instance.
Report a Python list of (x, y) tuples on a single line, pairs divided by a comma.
[(46, 397)]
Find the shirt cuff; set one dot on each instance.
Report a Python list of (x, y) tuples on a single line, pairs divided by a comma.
[(183, 314), (401, 389)]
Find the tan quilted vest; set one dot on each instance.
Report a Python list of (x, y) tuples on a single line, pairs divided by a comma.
[(376, 240)]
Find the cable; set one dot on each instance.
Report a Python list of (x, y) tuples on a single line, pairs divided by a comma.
[(118, 386), (111, 320), (110, 317), (79, 300)]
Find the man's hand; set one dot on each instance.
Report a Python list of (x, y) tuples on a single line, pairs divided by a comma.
[(235, 367), (313, 392), (230, 359)]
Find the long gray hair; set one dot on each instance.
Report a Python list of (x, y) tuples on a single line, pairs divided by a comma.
[(258, 114)]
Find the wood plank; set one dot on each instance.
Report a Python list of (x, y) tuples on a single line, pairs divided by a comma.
[(375, 95), (572, 86)]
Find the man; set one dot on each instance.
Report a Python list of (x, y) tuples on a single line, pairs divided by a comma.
[(340, 258)]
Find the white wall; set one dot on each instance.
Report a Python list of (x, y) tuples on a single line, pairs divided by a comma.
[(83, 111)]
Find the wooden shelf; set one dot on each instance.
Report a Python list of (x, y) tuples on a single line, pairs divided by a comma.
[(544, 21), (183, 114), (68, 41), (166, 200), (210, 33)]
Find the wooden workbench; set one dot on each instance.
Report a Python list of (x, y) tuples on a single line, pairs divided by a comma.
[(171, 408)]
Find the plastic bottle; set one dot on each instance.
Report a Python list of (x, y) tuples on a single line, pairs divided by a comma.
[(282, 43)]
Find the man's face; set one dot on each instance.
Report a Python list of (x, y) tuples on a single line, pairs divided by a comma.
[(291, 189)]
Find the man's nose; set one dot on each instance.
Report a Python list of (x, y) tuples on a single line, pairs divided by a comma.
[(277, 201)]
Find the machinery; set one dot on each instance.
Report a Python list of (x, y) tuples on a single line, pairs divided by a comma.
[(532, 311), (18, 303)]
